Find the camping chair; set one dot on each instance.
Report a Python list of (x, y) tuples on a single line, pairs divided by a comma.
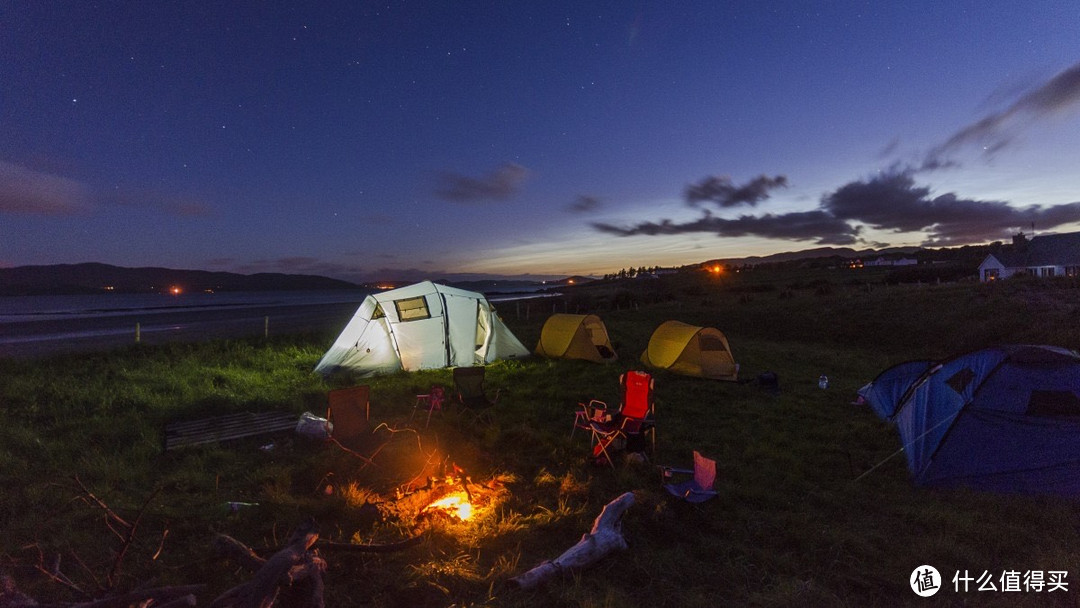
[(469, 386), (471, 393), (432, 401), (700, 487), (348, 411), (630, 427)]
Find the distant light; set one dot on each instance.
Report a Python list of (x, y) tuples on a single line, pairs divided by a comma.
[(174, 290), (570, 281), (716, 269)]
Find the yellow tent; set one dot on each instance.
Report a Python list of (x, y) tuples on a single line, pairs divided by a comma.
[(575, 337), (691, 351)]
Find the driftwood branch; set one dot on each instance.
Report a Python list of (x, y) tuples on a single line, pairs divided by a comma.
[(606, 536)]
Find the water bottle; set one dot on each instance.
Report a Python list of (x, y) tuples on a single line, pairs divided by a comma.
[(823, 381)]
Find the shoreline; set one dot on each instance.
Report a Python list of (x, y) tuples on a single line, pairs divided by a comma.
[(43, 338)]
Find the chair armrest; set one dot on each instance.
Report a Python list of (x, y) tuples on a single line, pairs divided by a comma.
[(596, 411)]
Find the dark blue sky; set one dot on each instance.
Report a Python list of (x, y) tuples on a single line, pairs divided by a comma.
[(364, 140)]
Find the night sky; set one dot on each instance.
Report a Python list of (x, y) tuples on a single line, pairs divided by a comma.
[(366, 140)]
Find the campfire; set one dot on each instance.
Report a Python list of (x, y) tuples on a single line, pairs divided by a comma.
[(456, 505), (452, 499)]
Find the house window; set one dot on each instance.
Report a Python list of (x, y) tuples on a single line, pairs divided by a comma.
[(1072, 271), (991, 274), (412, 309), (1047, 271)]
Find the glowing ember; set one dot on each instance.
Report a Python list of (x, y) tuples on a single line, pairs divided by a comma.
[(455, 505)]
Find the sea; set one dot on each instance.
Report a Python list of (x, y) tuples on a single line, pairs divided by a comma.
[(40, 325), (33, 326)]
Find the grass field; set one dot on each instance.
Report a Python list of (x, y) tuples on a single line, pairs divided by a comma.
[(791, 527)]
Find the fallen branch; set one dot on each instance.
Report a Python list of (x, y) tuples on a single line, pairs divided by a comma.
[(289, 565), (385, 548), (10, 596), (159, 594), (606, 536), (227, 546)]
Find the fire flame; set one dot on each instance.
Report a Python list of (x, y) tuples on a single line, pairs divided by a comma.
[(454, 504)]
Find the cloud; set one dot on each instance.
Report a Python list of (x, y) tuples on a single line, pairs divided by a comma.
[(722, 192), (24, 191), (585, 204), (890, 202), (893, 202), (817, 225), (997, 131), (27, 192), (168, 204), (499, 185)]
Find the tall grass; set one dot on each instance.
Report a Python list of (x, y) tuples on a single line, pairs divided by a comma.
[(791, 527)]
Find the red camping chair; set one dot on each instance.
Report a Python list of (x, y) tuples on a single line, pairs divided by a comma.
[(630, 428)]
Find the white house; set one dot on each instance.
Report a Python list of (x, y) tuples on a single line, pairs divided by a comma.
[(1051, 255)]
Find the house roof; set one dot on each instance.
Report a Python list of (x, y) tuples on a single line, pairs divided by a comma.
[(1046, 250)]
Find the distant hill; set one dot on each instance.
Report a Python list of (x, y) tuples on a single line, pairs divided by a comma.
[(493, 286), (821, 252), (97, 278)]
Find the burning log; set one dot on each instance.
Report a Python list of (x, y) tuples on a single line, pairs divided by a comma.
[(606, 536)]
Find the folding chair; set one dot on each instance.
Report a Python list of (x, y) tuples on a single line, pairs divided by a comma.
[(348, 411), (593, 411), (700, 487), (431, 402), (469, 386), (630, 427), (472, 396)]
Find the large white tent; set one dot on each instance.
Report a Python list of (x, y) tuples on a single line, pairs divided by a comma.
[(421, 326)]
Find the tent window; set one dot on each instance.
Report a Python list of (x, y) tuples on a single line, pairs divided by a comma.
[(378, 312), (707, 342), (1053, 403), (412, 309), (960, 380)]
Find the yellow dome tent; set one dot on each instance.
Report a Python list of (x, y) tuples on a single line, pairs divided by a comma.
[(575, 337), (691, 351)]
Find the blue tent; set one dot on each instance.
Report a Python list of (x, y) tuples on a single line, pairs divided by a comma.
[(1003, 419), (886, 392)]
